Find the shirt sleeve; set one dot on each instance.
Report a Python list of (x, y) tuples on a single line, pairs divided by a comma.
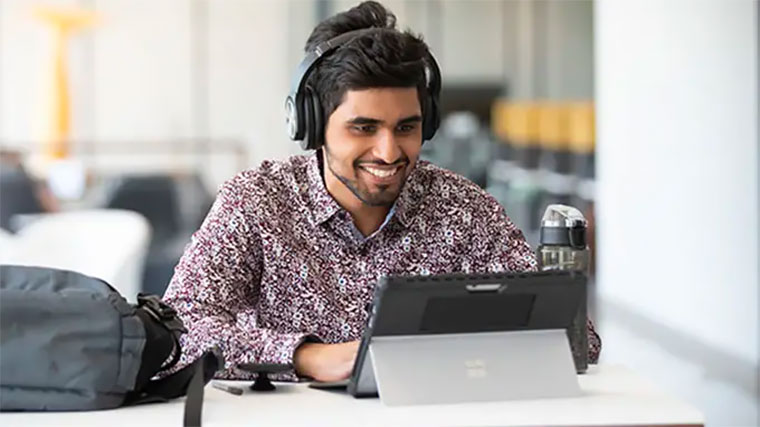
[(215, 291), (497, 245), (500, 246)]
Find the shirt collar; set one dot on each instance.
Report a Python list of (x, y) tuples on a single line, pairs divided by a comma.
[(324, 206), (411, 196)]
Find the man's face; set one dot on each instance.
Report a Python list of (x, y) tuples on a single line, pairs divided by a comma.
[(373, 140)]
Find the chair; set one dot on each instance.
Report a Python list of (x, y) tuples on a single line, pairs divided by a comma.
[(175, 206)]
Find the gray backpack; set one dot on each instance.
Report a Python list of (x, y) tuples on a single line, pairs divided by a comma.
[(71, 342)]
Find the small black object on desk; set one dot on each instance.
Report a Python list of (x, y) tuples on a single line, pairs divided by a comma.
[(262, 371)]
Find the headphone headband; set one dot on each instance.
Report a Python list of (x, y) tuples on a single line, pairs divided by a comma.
[(321, 50)]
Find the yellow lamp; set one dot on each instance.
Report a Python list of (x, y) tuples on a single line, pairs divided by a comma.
[(62, 22)]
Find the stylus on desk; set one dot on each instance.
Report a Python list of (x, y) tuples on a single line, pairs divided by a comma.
[(237, 391)]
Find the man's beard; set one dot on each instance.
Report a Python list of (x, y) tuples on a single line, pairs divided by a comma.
[(387, 194)]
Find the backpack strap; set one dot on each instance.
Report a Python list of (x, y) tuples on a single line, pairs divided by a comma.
[(194, 400), (189, 381), (166, 316)]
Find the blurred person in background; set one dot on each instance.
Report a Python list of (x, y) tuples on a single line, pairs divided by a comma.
[(285, 263), (20, 193)]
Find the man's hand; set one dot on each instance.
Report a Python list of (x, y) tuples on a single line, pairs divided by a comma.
[(325, 362)]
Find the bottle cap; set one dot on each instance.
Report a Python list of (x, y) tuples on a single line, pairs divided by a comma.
[(563, 225)]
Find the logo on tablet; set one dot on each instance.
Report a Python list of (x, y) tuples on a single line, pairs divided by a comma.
[(476, 368)]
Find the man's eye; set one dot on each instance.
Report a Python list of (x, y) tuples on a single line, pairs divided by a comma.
[(365, 128), (405, 128)]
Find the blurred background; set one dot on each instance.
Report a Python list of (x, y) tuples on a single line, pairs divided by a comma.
[(119, 119)]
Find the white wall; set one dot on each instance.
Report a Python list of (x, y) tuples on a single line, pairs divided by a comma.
[(250, 64), (142, 59), (677, 109), (569, 50), (472, 56)]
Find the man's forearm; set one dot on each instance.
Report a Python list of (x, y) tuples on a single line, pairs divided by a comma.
[(239, 345)]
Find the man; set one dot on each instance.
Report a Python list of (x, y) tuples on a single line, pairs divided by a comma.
[(285, 264)]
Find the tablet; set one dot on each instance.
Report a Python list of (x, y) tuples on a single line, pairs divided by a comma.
[(464, 304)]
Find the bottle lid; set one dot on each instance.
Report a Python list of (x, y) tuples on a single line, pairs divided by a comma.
[(562, 216), (563, 225)]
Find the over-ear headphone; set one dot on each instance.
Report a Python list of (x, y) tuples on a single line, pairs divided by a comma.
[(303, 111)]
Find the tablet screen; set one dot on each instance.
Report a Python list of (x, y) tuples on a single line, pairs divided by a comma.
[(481, 313)]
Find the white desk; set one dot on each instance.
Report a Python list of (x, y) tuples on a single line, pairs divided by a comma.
[(613, 395)]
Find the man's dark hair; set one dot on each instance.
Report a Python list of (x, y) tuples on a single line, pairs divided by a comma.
[(389, 58)]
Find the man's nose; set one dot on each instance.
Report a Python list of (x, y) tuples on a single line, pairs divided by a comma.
[(387, 147)]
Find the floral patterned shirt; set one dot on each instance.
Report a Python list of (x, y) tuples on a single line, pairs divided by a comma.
[(277, 260)]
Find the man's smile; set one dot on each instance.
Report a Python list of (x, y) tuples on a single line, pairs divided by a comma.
[(382, 175)]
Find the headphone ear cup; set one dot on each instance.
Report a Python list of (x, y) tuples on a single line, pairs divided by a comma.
[(436, 113), (292, 122), (426, 119), (314, 127), (432, 118), (308, 116), (433, 83), (318, 120)]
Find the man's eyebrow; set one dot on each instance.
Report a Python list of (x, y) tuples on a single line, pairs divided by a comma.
[(410, 119), (359, 120)]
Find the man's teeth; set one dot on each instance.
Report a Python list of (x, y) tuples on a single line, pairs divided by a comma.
[(381, 173)]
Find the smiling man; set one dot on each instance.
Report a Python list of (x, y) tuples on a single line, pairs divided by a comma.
[(284, 266)]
